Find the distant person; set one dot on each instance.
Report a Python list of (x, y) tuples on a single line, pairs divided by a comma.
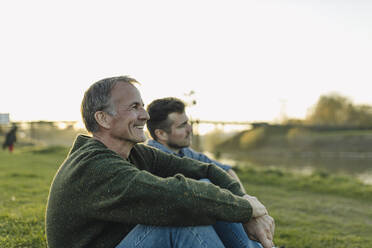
[(10, 139), (172, 133), (113, 192)]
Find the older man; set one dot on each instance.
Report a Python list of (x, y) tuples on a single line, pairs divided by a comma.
[(113, 192)]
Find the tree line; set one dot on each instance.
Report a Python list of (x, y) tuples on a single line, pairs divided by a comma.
[(336, 110)]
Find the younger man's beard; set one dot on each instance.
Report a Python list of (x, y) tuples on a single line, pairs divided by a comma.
[(176, 146)]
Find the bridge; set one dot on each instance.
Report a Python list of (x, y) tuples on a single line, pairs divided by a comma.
[(240, 123), (250, 124)]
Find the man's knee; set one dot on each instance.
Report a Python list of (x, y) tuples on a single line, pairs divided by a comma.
[(156, 236), (195, 236)]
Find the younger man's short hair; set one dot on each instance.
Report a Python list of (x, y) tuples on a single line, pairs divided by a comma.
[(159, 110)]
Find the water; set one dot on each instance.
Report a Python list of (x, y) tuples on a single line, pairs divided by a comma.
[(358, 165)]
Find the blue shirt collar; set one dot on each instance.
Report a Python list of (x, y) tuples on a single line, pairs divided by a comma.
[(163, 148)]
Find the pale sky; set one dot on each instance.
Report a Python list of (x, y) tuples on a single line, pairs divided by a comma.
[(246, 60)]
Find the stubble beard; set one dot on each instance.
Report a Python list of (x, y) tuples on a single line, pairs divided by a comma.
[(132, 138), (178, 146)]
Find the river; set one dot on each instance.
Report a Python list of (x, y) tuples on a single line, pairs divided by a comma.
[(353, 164)]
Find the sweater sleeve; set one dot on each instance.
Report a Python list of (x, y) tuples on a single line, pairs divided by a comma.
[(168, 165), (117, 191), (203, 158)]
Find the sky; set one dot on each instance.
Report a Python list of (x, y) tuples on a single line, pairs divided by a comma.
[(245, 60)]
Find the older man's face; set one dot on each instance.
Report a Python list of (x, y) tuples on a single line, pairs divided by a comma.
[(128, 123)]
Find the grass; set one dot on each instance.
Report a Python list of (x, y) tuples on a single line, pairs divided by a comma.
[(318, 210), (25, 177)]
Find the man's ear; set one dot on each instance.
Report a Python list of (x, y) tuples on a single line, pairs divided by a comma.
[(103, 119), (161, 135)]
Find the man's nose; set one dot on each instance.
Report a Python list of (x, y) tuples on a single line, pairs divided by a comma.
[(189, 128), (144, 115)]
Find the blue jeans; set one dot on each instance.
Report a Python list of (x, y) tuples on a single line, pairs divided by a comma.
[(222, 234), (233, 235), (143, 236)]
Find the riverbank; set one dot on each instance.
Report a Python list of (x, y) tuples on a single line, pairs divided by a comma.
[(319, 210), (302, 141), (301, 149)]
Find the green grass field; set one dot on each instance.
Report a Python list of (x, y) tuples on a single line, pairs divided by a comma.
[(314, 211)]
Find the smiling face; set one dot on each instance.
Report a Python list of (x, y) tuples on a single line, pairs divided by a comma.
[(130, 118), (180, 131)]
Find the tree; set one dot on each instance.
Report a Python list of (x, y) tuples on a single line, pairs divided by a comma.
[(334, 109)]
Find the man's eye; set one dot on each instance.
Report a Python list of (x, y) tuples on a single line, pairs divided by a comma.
[(136, 106)]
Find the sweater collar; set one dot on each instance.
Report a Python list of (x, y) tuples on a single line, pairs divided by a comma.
[(81, 140)]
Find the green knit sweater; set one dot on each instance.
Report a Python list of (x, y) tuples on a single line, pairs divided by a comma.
[(97, 197)]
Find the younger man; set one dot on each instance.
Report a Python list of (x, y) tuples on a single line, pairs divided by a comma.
[(171, 132)]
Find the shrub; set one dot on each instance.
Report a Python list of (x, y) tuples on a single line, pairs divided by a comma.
[(253, 138)]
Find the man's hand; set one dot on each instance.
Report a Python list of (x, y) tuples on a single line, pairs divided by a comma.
[(261, 229), (258, 209)]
